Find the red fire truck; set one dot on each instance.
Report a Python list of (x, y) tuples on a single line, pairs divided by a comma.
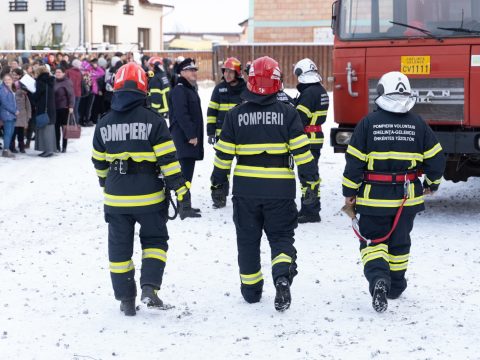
[(436, 43)]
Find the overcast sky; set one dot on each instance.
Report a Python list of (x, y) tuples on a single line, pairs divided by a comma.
[(205, 15)]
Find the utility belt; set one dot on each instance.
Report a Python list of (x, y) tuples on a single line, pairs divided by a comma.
[(372, 177), (266, 160), (124, 167), (312, 128)]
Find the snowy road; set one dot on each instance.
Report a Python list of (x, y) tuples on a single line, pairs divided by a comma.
[(56, 300)]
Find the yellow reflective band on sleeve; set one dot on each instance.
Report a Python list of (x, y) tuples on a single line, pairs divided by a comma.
[(298, 142), (303, 158), (370, 253), (281, 258), (164, 148), (366, 191), (381, 203), (263, 173), (134, 200), (225, 147), (183, 190), (226, 107), (211, 119), (350, 184), (218, 132), (135, 156), (430, 182), (251, 279), (395, 155), (171, 169), (97, 155), (432, 152), (305, 110), (316, 141), (213, 105), (254, 149), (152, 253), (102, 173), (356, 153), (222, 164), (121, 267), (159, 91)]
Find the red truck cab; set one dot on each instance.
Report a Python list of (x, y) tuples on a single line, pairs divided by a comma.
[(436, 43)]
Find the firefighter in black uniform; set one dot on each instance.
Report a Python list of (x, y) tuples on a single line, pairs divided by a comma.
[(263, 133), (131, 147), (312, 105), (388, 152), (158, 86)]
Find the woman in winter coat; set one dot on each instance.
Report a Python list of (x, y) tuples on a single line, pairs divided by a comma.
[(8, 112), (45, 103), (24, 112), (64, 104)]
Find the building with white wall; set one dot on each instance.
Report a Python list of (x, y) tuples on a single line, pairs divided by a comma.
[(74, 24)]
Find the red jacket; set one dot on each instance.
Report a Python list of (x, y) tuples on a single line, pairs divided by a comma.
[(75, 75)]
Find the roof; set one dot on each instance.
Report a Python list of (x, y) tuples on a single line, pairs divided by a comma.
[(190, 44), (155, 3)]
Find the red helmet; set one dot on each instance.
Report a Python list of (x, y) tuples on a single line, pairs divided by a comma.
[(233, 64), (155, 59), (131, 77), (264, 76)]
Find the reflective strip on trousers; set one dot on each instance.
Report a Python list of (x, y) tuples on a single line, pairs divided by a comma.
[(251, 279), (153, 253), (121, 267), (281, 258), (261, 172), (134, 200), (370, 253)]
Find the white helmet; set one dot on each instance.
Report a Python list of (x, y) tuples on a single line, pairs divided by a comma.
[(307, 72), (395, 93)]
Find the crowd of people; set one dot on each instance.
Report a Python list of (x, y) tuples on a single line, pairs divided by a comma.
[(75, 88)]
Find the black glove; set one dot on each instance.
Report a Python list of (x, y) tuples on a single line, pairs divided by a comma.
[(101, 181), (212, 139), (219, 195), (311, 193), (185, 207)]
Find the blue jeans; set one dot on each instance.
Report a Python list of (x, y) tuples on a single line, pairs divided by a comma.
[(8, 129)]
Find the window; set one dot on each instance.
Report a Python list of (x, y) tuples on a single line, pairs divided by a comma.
[(127, 8), (20, 36), (57, 34), (18, 5), (56, 5), (110, 34), (144, 38)]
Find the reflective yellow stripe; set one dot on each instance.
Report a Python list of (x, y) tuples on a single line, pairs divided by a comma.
[(350, 184), (432, 152), (398, 267), (281, 258), (171, 169), (305, 110), (134, 200), (226, 147), (264, 173), (357, 153), (430, 182), (159, 91), (317, 141), (102, 173), (253, 149), (97, 155), (251, 279), (389, 203), (152, 253), (164, 148), (213, 105), (370, 253), (121, 267), (135, 156), (366, 192), (395, 155), (183, 190), (304, 158), (222, 164), (398, 258), (218, 132), (411, 191), (298, 142), (226, 107), (211, 119)]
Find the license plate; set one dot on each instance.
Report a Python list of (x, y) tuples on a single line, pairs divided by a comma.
[(415, 65)]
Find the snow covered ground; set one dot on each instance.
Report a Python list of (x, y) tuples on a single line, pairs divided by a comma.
[(56, 300)]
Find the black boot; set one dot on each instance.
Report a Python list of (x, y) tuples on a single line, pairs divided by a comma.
[(283, 297), (150, 297), (128, 307), (379, 297), (303, 219), (64, 145)]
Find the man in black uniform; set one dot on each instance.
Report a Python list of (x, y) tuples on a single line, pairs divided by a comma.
[(312, 105), (389, 150), (131, 147), (158, 86), (263, 134)]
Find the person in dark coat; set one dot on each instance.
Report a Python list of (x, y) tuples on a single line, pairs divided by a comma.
[(186, 119), (44, 100), (64, 104)]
